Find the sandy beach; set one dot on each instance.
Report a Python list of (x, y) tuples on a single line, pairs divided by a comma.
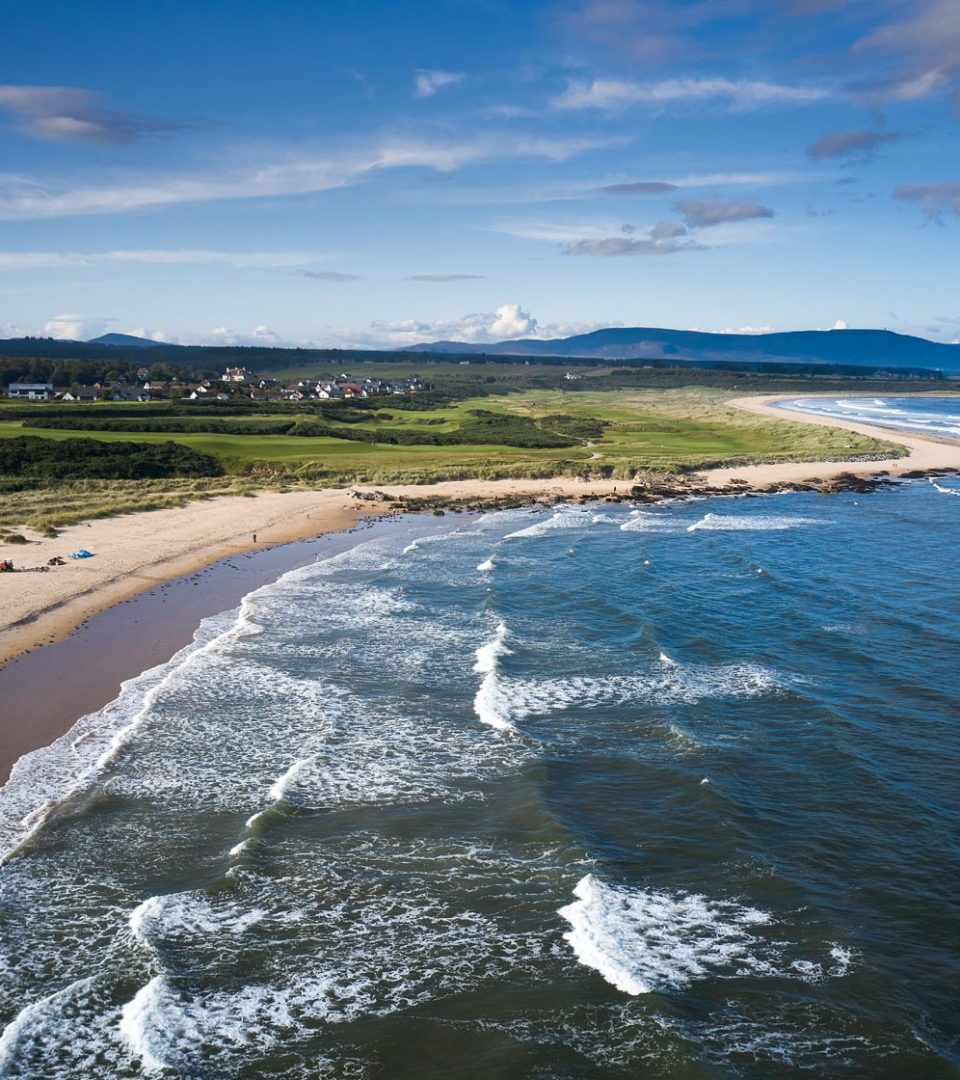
[(135, 552), (925, 453)]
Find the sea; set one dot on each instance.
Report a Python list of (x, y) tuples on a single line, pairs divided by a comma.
[(590, 791), (928, 415)]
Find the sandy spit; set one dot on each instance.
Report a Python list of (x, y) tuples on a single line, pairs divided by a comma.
[(925, 453)]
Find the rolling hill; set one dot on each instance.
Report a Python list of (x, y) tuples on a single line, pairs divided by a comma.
[(856, 347)]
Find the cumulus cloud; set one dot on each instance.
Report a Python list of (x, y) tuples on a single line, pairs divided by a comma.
[(512, 322), (224, 335), (26, 197), (34, 260), (640, 187), (11, 330), (71, 327), (508, 322), (850, 144), (933, 200), (705, 214), (71, 114), (428, 81), (445, 277), (840, 324), (615, 94), (327, 275)]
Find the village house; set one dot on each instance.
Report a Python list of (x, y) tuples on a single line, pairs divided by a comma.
[(81, 393), (272, 394), (237, 375), (30, 391), (203, 393)]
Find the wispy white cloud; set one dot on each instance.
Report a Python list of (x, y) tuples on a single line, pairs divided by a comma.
[(707, 214), (445, 277), (921, 50), (850, 144), (327, 275), (722, 225), (616, 94), (72, 114), (37, 260), (30, 197), (427, 81)]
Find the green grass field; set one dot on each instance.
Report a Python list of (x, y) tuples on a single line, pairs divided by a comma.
[(667, 429), (647, 430)]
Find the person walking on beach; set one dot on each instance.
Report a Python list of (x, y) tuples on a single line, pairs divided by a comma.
[(254, 537)]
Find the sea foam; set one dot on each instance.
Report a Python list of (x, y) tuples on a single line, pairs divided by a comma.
[(491, 704), (751, 522), (646, 940)]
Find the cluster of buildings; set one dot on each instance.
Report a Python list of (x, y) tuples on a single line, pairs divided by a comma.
[(234, 383)]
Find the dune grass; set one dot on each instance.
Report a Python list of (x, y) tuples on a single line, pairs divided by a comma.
[(659, 430)]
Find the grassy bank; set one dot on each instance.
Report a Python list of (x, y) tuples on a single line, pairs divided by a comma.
[(614, 433)]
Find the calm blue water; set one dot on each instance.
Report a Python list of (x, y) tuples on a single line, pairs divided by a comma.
[(600, 792), (931, 415)]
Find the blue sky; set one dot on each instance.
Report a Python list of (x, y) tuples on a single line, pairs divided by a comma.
[(373, 173)]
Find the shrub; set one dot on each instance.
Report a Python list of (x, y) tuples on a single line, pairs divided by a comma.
[(29, 456)]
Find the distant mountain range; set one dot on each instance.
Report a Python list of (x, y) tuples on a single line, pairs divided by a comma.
[(858, 347), (128, 341), (844, 351)]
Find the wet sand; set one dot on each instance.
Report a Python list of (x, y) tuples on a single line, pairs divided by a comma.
[(46, 691)]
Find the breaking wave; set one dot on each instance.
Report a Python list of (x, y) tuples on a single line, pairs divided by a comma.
[(752, 522), (642, 941)]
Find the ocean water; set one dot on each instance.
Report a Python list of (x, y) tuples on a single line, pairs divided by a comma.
[(930, 415), (668, 792)]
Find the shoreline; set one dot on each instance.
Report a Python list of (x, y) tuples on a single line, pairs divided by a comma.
[(134, 553), (144, 631), (135, 612), (925, 452)]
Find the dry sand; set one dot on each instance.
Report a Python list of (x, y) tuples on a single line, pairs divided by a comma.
[(136, 551)]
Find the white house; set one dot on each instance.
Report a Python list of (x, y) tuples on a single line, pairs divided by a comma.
[(31, 391)]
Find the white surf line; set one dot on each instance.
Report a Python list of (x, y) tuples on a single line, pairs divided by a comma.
[(490, 704)]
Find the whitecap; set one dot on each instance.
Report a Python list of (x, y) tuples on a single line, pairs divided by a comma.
[(751, 522), (645, 940)]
